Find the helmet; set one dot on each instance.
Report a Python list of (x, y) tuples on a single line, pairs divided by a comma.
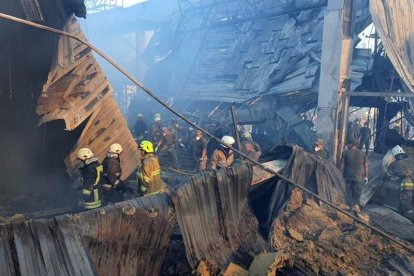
[(146, 146), (85, 153), (140, 115), (157, 117), (228, 140), (397, 150), (247, 135), (115, 148)]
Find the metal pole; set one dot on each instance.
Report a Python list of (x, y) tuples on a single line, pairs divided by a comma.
[(233, 117), (158, 99)]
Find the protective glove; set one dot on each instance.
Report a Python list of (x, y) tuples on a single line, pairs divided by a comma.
[(365, 180)]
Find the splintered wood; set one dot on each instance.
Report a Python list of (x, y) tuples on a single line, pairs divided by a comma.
[(78, 90)]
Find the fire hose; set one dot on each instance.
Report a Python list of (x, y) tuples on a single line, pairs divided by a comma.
[(165, 105)]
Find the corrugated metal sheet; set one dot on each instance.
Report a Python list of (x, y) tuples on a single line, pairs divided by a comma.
[(394, 21), (128, 238), (232, 51), (318, 175), (78, 90), (215, 219)]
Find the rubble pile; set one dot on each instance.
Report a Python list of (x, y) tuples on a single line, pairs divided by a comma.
[(313, 241)]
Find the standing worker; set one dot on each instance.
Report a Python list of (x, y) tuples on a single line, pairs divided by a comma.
[(91, 178), (199, 151), (250, 147), (112, 185), (149, 172), (355, 172), (320, 149), (364, 136), (141, 128), (223, 156), (156, 129), (166, 147), (403, 169)]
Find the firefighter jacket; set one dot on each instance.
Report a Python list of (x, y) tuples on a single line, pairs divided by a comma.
[(91, 178), (222, 158), (403, 169), (111, 170), (149, 175), (156, 132)]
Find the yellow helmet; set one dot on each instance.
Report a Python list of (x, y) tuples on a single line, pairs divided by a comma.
[(157, 117), (115, 148), (146, 146), (85, 153)]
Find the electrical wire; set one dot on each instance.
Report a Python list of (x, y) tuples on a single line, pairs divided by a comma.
[(159, 100)]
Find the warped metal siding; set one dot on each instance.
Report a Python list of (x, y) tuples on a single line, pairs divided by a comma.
[(215, 219), (78, 90)]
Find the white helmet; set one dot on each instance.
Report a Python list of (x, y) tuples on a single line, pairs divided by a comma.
[(228, 140), (157, 117), (397, 150), (115, 148), (85, 153)]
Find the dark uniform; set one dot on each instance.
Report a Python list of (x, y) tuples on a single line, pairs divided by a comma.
[(149, 175), (323, 153), (404, 169), (91, 180), (111, 183), (140, 129), (198, 147), (365, 135), (354, 162)]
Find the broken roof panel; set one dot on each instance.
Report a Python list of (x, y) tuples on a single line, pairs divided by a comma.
[(242, 50)]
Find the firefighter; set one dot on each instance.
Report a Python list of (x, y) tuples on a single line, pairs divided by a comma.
[(166, 147), (250, 147), (91, 178), (112, 185), (149, 172), (199, 149), (403, 169), (156, 129), (141, 128), (223, 156)]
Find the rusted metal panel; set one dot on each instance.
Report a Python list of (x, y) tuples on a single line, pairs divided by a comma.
[(214, 217), (128, 238), (78, 90)]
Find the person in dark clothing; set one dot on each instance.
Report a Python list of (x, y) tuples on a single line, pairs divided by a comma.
[(403, 169), (365, 135), (156, 129), (141, 128), (112, 187), (355, 172), (320, 150), (352, 134), (91, 179), (199, 148)]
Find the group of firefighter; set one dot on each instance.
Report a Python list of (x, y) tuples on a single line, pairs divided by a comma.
[(397, 166), (101, 183)]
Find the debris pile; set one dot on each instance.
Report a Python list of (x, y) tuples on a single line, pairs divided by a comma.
[(313, 241)]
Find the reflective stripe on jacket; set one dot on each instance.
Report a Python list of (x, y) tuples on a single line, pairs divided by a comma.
[(149, 174)]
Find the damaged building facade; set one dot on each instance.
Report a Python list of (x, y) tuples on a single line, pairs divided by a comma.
[(263, 58)]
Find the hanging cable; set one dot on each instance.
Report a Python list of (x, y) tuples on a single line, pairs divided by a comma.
[(159, 100)]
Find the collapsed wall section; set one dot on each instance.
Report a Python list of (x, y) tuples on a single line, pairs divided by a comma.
[(77, 90)]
